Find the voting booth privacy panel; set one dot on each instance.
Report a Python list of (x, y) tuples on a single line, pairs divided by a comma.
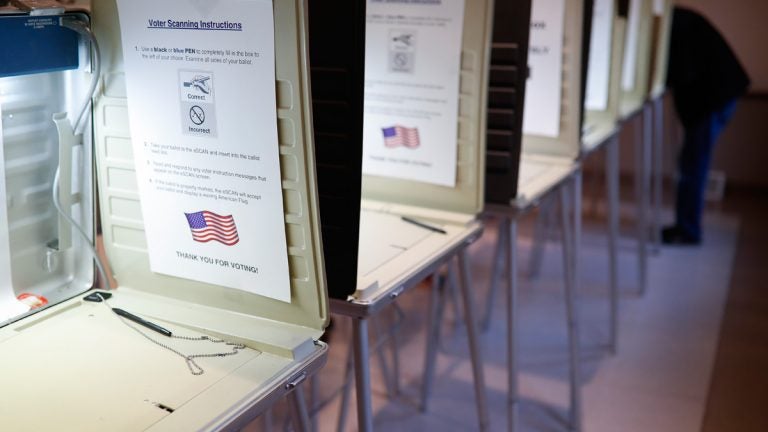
[(662, 30), (506, 98), (567, 142), (226, 352), (602, 110), (636, 68), (466, 197), (337, 102)]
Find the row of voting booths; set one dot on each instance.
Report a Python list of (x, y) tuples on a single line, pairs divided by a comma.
[(254, 167)]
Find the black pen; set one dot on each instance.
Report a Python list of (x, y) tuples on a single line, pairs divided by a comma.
[(138, 320), (423, 225)]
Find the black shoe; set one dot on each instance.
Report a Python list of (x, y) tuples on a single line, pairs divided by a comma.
[(672, 235)]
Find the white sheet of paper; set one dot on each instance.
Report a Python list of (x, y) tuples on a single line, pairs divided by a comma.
[(630, 47), (658, 7), (202, 108), (9, 306), (412, 71), (543, 90), (599, 75)]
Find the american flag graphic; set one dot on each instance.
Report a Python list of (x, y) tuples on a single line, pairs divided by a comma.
[(208, 226), (397, 136)]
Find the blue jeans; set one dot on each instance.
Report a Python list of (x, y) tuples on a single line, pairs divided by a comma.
[(693, 164)]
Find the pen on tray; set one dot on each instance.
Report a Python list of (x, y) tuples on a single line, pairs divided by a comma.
[(423, 225), (138, 320)]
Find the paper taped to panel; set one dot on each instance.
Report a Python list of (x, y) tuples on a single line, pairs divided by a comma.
[(412, 71), (541, 115), (201, 85)]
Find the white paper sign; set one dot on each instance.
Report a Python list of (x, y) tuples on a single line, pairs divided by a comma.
[(412, 71), (543, 90), (630, 47), (9, 306), (599, 75), (202, 107)]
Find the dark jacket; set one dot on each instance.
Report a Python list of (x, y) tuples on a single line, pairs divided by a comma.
[(704, 73)]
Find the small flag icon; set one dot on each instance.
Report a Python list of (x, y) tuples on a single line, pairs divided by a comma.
[(207, 226), (396, 136)]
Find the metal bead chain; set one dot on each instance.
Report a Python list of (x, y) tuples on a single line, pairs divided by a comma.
[(194, 368)]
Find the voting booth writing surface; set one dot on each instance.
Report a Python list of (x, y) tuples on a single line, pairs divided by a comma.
[(552, 114), (337, 102), (239, 346), (604, 75), (636, 68)]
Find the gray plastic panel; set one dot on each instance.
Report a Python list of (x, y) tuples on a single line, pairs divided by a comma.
[(120, 205), (468, 194), (632, 100), (662, 29)]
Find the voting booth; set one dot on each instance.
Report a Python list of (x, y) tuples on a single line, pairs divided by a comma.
[(636, 69), (171, 347), (558, 38), (420, 161)]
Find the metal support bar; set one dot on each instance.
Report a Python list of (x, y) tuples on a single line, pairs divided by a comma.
[(433, 336), (612, 181), (642, 151), (299, 410), (570, 261), (543, 223), (658, 174), (496, 272), (510, 243), (473, 339), (362, 375)]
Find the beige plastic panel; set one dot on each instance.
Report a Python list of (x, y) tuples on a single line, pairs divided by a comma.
[(633, 100), (610, 116), (662, 25), (122, 224), (568, 143), (468, 194)]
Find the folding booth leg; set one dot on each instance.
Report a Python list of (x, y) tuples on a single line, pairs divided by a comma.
[(346, 390), (300, 416), (313, 397), (658, 175), (472, 337), (641, 194), (510, 244), (612, 180), (379, 348), (395, 349), (362, 374), (570, 261), (433, 337), (496, 272), (540, 234), (266, 419)]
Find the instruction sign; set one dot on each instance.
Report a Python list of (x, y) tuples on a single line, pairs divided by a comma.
[(412, 71), (599, 75), (541, 115), (201, 100)]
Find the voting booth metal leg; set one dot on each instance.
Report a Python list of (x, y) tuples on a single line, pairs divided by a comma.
[(540, 234), (612, 182), (346, 389), (473, 339), (658, 175), (642, 147), (436, 304), (496, 272), (570, 235), (509, 240), (299, 410), (362, 374)]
